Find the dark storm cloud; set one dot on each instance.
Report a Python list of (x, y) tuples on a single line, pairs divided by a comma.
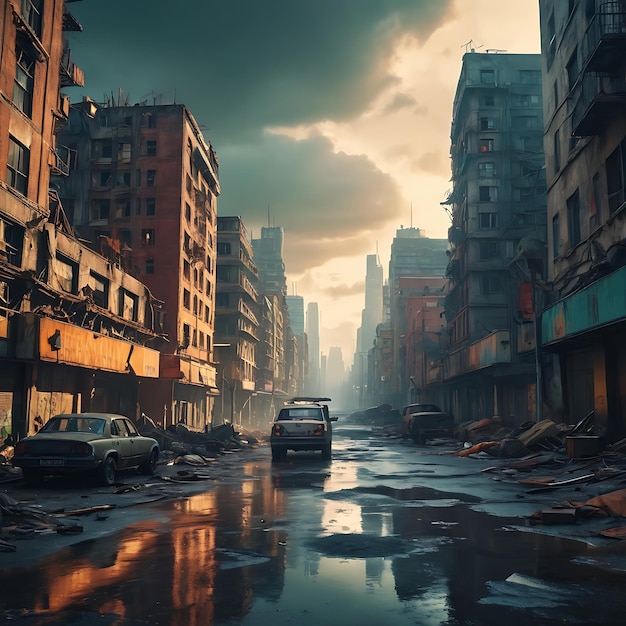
[(243, 66)]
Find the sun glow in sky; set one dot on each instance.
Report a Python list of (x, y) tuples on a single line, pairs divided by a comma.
[(335, 114)]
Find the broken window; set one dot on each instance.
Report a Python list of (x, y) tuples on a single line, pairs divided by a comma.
[(24, 83), (147, 236), (66, 273), (99, 289), (150, 178), (17, 166), (128, 305), (100, 210), (487, 193)]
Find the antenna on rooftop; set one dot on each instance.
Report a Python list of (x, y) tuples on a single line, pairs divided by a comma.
[(470, 46)]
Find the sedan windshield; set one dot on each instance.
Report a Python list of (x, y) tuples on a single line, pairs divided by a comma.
[(73, 424)]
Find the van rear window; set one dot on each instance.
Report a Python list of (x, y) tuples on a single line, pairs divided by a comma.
[(299, 413)]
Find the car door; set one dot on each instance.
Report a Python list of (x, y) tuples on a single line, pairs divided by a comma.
[(122, 441), (139, 445)]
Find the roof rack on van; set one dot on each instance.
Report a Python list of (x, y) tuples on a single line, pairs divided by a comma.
[(308, 399)]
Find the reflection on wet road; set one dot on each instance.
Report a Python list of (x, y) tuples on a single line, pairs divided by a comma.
[(382, 534)]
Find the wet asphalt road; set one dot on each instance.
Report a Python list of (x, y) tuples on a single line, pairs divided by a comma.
[(386, 532)]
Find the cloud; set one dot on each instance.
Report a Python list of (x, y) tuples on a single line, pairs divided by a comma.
[(328, 203), (244, 65)]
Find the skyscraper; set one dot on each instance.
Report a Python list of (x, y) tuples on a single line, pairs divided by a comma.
[(312, 383)]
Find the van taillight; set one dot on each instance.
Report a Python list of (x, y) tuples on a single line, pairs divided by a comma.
[(277, 430)]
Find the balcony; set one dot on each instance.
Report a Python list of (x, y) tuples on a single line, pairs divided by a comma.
[(71, 74), (494, 349), (60, 162), (604, 42), (597, 100)]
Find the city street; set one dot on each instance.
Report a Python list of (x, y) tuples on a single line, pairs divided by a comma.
[(387, 532)]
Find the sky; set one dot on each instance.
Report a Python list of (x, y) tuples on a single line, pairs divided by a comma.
[(330, 118)]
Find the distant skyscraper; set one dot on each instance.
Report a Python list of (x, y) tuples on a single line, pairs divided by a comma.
[(313, 334), (373, 312), (268, 256), (295, 304)]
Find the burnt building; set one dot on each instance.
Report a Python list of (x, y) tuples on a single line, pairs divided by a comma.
[(583, 336), (143, 191), (77, 332), (236, 321), (497, 207)]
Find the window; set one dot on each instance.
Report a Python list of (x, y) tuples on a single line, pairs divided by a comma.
[(528, 99), (102, 178), (487, 193), (128, 305), (122, 208), (485, 170), (152, 119), (66, 273), (487, 77), (556, 237), (31, 12), (103, 149), (187, 299), (195, 305), (24, 81), (573, 219), (17, 166), (557, 150), (138, 206), (596, 203), (487, 123), (150, 207), (11, 242), (530, 77), (186, 335), (187, 270), (485, 145), (488, 101), (99, 289), (147, 236), (187, 211), (615, 176), (150, 177), (488, 220), (122, 179), (491, 282), (488, 250), (223, 247), (149, 269), (100, 210), (151, 148), (123, 152)]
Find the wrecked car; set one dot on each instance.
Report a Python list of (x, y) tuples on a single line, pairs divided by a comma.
[(98, 443)]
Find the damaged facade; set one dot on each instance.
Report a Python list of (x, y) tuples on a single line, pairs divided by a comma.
[(497, 237), (62, 347), (583, 327), (144, 191), (237, 324)]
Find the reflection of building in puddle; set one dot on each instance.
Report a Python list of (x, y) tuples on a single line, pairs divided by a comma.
[(100, 568)]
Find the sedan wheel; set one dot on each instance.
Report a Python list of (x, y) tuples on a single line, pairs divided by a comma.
[(107, 471)]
